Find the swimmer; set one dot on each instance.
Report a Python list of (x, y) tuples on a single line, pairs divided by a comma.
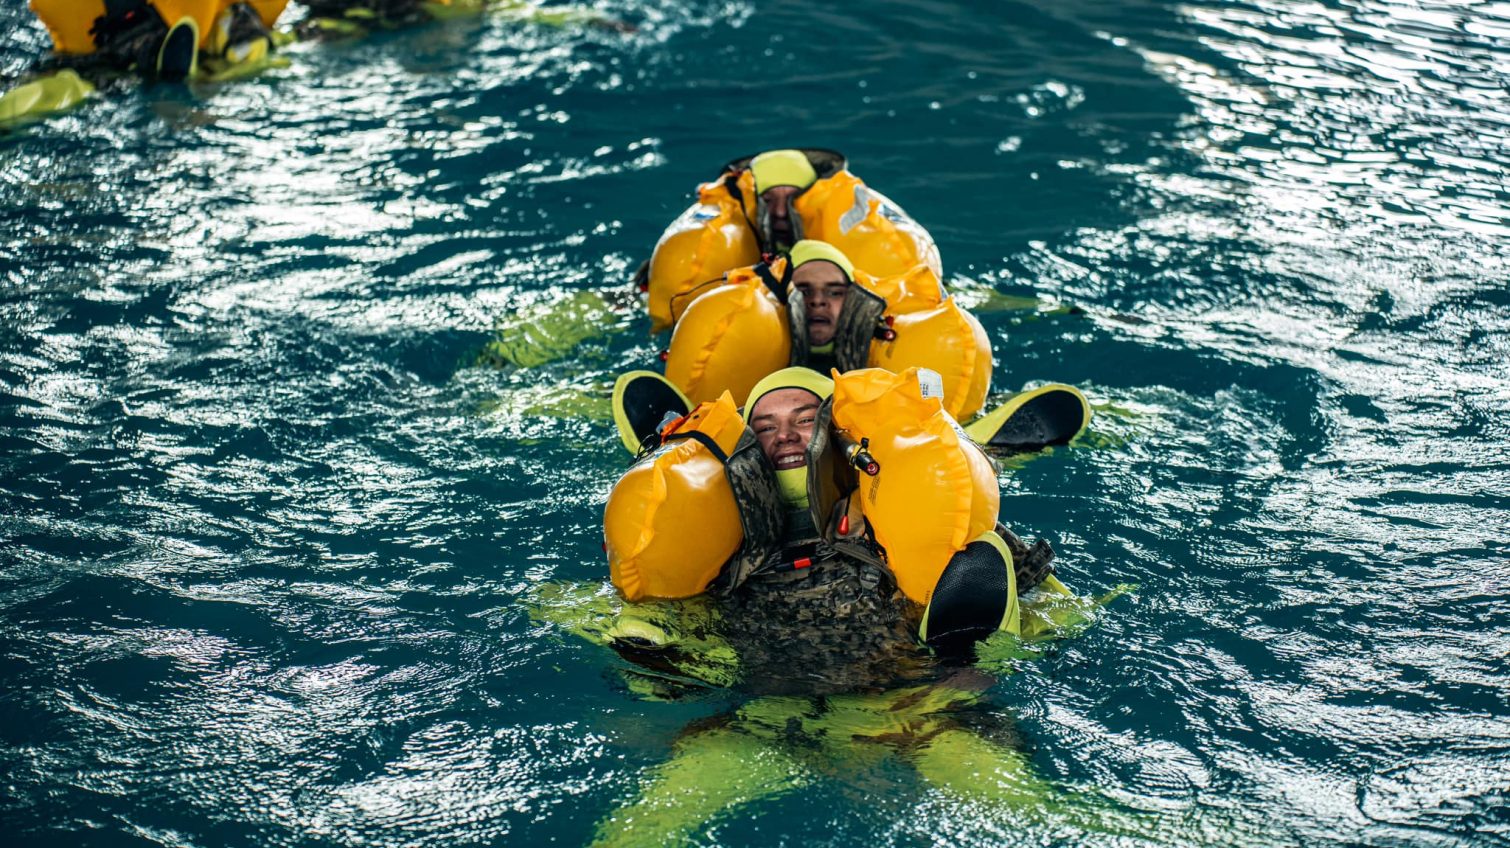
[(801, 540), (157, 40), (780, 176)]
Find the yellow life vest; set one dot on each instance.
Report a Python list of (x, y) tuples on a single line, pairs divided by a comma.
[(709, 239), (716, 234), (730, 336), (913, 290), (731, 333), (945, 339), (671, 522), (935, 492), (69, 21), (876, 235)]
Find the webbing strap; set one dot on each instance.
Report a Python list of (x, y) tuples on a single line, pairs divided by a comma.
[(701, 438)]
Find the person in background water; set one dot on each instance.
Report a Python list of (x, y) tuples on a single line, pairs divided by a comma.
[(103, 41), (780, 175), (821, 279)]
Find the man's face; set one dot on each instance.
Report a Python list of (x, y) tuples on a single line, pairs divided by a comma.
[(783, 424), (822, 286), (778, 202)]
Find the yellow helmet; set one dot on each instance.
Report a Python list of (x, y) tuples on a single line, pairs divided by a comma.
[(795, 377), (811, 250), (782, 168)]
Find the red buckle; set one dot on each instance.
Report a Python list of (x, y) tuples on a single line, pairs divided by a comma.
[(802, 563)]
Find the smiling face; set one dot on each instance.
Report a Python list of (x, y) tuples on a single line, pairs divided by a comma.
[(822, 286), (783, 423)]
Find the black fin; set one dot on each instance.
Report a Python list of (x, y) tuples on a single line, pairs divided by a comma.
[(970, 600)]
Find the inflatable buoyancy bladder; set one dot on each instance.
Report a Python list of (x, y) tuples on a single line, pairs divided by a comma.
[(913, 290), (898, 322), (709, 239), (945, 339), (876, 235), (935, 491), (727, 339), (70, 21), (671, 521), (720, 232)]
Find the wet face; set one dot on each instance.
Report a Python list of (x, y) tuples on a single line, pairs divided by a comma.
[(778, 203), (783, 424), (822, 286)]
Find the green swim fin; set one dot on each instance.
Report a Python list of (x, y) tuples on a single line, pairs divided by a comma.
[(57, 92), (641, 400), (1030, 421), (975, 597)]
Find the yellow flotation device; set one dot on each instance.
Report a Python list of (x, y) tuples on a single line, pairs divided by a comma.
[(671, 522), (730, 336), (69, 21), (925, 328), (872, 231), (731, 333), (709, 239), (913, 290), (945, 339), (716, 235), (936, 490)]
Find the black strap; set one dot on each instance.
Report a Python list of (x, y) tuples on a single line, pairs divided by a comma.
[(794, 558), (777, 285), (690, 295), (731, 183), (701, 438)]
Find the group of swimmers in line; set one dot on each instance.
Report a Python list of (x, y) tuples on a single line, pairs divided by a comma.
[(787, 269), (835, 413)]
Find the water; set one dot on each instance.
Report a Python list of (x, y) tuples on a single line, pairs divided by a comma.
[(268, 529)]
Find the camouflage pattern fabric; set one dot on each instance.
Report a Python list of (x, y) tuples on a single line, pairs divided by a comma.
[(796, 317), (856, 328), (1031, 564), (838, 625), (762, 515)]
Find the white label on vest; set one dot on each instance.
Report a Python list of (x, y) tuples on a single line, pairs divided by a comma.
[(930, 384)]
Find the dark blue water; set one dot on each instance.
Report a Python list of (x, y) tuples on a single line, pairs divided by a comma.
[(269, 522)]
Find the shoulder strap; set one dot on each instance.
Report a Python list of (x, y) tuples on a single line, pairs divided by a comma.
[(776, 284), (701, 438)]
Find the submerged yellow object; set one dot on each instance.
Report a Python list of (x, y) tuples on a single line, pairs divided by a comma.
[(50, 94)]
